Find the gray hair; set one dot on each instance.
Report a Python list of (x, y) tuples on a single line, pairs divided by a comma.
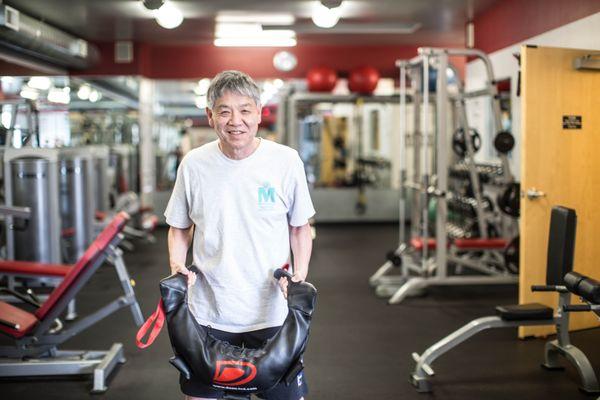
[(234, 82)]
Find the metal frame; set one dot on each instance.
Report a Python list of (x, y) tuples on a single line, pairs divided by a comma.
[(30, 115), (561, 346), (422, 270), (37, 353)]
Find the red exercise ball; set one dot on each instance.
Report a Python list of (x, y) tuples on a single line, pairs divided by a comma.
[(363, 80), (321, 79)]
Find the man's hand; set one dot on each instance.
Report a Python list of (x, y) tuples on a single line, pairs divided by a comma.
[(283, 283), (181, 269)]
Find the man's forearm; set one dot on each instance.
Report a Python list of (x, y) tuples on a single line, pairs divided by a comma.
[(301, 244), (178, 242)]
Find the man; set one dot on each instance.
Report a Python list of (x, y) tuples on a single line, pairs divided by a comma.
[(245, 201)]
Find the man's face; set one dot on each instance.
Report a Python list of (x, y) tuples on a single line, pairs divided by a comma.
[(235, 118)]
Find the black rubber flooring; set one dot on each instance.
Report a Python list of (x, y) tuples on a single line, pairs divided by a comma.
[(360, 347)]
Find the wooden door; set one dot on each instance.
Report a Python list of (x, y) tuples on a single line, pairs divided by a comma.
[(562, 163)]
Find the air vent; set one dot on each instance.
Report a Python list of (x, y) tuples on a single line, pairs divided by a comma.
[(11, 18), (123, 52), (25, 35)]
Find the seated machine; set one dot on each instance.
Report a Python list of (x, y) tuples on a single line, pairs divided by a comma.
[(38, 334), (561, 246)]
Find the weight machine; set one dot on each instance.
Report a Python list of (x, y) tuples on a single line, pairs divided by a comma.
[(424, 258)]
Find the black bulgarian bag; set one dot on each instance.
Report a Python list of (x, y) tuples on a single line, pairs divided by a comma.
[(236, 370)]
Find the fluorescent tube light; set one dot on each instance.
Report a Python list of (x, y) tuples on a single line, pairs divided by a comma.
[(265, 41)]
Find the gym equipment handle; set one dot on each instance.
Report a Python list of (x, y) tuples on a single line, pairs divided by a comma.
[(548, 288), (577, 307), (280, 273)]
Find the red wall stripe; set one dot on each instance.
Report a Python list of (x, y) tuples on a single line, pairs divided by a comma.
[(197, 61)]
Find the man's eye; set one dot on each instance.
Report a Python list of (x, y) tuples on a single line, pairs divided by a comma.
[(224, 113), (245, 111)]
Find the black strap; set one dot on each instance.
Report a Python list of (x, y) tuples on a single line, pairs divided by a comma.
[(293, 372)]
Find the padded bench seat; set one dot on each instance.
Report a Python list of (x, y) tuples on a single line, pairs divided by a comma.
[(462, 244), (33, 268), (14, 315), (525, 312), (495, 244)]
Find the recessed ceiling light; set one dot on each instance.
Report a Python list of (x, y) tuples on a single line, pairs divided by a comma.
[(325, 17), (168, 16), (263, 18), (39, 82), (255, 42)]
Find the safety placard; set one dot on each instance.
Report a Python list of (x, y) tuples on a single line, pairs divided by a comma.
[(571, 121)]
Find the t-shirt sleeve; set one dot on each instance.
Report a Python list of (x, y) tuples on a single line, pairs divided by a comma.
[(177, 212), (301, 206)]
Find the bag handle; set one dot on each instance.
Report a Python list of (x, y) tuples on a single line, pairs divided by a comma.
[(154, 324)]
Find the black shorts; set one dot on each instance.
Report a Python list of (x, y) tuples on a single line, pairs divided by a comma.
[(254, 339)]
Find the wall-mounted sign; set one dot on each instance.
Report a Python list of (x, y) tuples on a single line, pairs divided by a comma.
[(571, 121)]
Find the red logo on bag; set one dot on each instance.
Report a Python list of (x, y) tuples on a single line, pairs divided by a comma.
[(234, 373)]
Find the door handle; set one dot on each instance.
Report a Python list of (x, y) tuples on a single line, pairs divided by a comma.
[(533, 194)]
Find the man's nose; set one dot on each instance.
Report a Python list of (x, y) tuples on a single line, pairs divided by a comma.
[(235, 119)]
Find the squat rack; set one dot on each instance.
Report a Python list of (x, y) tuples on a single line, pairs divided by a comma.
[(422, 271)]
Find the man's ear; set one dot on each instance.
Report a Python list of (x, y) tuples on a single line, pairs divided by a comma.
[(209, 115), (259, 114)]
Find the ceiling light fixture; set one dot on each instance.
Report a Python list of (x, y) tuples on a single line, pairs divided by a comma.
[(56, 95), (39, 82), (168, 16), (265, 41), (153, 4), (326, 14), (29, 93), (255, 38), (84, 92), (263, 18), (95, 96)]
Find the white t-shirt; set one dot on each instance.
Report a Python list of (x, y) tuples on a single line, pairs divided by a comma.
[(242, 210)]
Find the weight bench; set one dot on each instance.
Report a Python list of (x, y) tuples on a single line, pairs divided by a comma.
[(561, 246), (38, 334), (482, 255)]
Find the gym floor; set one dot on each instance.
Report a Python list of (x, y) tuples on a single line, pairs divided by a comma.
[(359, 348)]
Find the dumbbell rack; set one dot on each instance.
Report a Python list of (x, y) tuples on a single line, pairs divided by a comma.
[(419, 269)]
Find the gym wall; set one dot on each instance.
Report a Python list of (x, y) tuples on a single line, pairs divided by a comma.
[(581, 34)]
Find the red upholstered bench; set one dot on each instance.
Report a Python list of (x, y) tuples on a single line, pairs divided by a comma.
[(462, 244), (478, 243), (70, 274), (28, 268), (33, 332)]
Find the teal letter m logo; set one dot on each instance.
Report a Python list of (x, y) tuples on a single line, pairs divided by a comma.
[(266, 195)]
